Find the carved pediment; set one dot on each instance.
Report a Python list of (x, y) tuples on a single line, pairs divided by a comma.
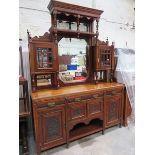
[(46, 37)]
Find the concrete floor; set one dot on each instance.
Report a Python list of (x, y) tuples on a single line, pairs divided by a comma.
[(115, 141)]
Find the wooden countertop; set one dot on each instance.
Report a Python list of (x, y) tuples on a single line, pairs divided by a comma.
[(68, 90)]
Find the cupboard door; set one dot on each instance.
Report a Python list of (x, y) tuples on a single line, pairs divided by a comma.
[(52, 127), (112, 110), (76, 110), (104, 57), (45, 57), (95, 106)]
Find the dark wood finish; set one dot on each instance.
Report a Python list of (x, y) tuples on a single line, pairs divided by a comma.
[(37, 45), (95, 106), (51, 126), (33, 56), (103, 62), (76, 111), (69, 113), (85, 130), (73, 9), (113, 108), (104, 57)]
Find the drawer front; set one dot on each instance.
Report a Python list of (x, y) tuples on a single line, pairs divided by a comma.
[(86, 96), (113, 92), (95, 106), (76, 110), (50, 103)]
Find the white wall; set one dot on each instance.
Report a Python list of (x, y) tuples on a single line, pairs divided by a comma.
[(34, 16)]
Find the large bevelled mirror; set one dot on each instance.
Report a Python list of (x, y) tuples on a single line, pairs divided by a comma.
[(72, 60)]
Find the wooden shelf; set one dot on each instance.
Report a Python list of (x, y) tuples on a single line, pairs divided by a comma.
[(74, 32), (82, 130)]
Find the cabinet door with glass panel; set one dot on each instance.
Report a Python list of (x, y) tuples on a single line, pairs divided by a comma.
[(44, 57), (104, 57)]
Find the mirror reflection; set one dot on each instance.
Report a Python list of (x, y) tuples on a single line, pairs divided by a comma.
[(43, 80), (72, 60)]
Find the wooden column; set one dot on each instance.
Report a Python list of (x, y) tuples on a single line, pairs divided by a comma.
[(55, 25), (97, 25), (78, 25)]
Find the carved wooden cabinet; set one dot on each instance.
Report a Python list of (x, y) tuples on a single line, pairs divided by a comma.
[(103, 62), (89, 105), (51, 124), (104, 57), (69, 113), (84, 114), (113, 108), (43, 56)]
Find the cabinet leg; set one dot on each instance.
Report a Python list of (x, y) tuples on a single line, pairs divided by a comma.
[(67, 145), (38, 150), (120, 125), (102, 132)]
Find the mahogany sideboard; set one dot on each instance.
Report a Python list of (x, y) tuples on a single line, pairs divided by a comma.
[(69, 113), (73, 99)]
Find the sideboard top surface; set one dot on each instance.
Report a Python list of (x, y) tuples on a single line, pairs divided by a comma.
[(69, 90)]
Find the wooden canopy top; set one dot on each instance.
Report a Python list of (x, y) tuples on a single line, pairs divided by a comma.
[(61, 7)]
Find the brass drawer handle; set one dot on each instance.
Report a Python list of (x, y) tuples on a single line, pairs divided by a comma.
[(51, 104), (95, 96), (77, 99)]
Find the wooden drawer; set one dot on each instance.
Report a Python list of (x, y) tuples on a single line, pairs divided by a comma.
[(76, 110), (86, 96), (84, 106), (50, 103), (95, 106), (113, 92)]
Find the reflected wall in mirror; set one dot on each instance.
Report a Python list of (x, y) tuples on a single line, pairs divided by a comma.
[(43, 80), (72, 60)]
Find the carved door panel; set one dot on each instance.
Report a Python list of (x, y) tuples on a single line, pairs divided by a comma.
[(52, 127), (95, 106), (76, 110), (112, 109)]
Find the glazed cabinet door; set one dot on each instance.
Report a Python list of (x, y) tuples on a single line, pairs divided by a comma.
[(43, 57), (51, 125), (113, 106), (104, 57)]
